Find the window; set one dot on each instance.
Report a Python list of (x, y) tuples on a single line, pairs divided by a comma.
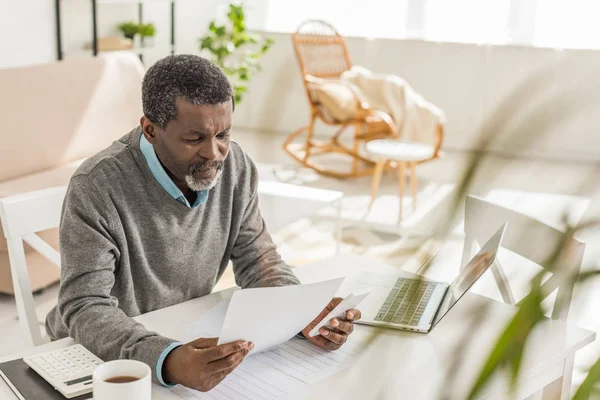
[(375, 18), (467, 21), (567, 24), (545, 23)]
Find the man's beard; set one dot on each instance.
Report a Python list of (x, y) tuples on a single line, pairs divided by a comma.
[(198, 185)]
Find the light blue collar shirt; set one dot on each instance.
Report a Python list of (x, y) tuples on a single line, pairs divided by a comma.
[(163, 179)]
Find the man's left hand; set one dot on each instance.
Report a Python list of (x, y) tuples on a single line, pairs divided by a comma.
[(332, 338)]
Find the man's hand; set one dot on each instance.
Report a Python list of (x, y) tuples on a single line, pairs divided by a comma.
[(332, 338), (202, 365)]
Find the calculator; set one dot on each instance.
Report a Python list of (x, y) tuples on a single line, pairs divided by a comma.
[(69, 370)]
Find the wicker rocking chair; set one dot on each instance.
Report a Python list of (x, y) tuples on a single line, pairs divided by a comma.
[(322, 54)]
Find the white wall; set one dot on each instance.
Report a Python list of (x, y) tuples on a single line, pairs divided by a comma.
[(27, 32), (192, 18), (469, 82)]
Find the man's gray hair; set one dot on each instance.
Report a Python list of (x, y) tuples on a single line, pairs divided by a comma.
[(183, 76)]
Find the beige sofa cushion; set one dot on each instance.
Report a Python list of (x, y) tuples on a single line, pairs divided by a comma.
[(61, 112)]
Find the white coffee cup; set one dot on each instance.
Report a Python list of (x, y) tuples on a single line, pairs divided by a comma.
[(140, 389)]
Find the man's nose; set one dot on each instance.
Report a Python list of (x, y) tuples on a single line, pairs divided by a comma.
[(210, 150)]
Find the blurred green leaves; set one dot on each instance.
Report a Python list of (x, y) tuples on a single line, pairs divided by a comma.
[(589, 387), (236, 51), (508, 351)]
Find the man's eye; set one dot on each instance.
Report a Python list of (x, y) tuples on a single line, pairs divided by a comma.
[(198, 140), (222, 135)]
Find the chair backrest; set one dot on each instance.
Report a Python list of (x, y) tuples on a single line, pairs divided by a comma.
[(322, 53), (321, 50), (22, 216), (527, 237)]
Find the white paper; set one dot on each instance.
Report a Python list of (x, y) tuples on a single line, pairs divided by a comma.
[(251, 380), (271, 316), (308, 363), (350, 302), (210, 323), (281, 373)]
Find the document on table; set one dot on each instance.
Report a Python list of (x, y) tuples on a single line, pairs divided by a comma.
[(282, 372), (270, 316), (278, 373), (251, 380)]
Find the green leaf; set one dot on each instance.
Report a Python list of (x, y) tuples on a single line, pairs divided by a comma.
[(129, 29), (509, 348), (147, 30), (240, 88), (234, 50), (221, 31), (206, 43), (584, 276), (589, 386), (265, 47)]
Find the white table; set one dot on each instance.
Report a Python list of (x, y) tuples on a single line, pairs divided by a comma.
[(417, 362), (282, 204)]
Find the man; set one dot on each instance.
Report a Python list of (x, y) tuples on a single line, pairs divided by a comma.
[(154, 219)]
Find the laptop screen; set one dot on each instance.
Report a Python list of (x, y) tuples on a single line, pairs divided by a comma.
[(470, 273)]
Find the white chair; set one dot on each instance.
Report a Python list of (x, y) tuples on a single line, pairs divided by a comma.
[(535, 241), (22, 216), (400, 154)]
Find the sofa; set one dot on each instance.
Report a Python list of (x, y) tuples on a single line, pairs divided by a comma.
[(54, 116)]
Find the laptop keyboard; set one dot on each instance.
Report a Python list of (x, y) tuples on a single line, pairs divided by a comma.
[(406, 302)]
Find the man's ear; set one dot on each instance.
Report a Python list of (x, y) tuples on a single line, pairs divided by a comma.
[(149, 129)]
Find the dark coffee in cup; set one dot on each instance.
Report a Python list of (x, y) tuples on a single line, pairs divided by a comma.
[(122, 379)]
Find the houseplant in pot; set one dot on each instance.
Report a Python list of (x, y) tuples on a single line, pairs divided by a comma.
[(147, 32), (234, 49), (129, 29)]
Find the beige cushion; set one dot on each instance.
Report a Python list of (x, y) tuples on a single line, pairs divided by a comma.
[(57, 113), (339, 98)]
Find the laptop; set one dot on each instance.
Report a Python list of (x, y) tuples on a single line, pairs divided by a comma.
[(420, 304)]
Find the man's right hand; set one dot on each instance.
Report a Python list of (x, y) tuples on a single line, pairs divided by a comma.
[(202, 364)]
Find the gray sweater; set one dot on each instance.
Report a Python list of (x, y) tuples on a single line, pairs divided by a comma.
[(127, 248)]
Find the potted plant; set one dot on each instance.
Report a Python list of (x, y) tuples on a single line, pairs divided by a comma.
[(236, 51), (129, 29), (147, 31)]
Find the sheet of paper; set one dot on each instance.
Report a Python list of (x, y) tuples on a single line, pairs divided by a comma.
[(251, 380), (279, 373), (210, 323), (271, 316), (351, 301), (282, 372), (302, 360)]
